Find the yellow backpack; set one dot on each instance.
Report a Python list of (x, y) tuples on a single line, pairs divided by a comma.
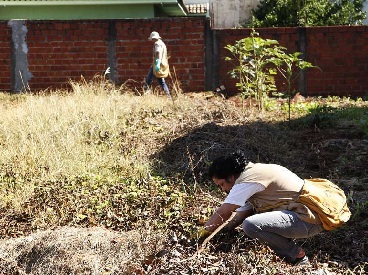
[(327, 200)]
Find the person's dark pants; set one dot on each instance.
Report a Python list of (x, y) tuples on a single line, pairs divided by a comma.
[(161, 81)]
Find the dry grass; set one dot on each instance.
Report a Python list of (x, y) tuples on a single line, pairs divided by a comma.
[(96, 180), (47, 137)]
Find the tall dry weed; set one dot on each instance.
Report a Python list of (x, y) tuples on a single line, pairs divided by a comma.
[(96, 129)]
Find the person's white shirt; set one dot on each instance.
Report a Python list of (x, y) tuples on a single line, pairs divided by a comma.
[(241, 192)]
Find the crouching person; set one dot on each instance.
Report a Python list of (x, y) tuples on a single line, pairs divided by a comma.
[(265, 198)]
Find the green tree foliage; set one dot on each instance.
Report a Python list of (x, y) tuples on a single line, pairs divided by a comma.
[(289, 13), (257, 61), (289, 66), (253, 57)]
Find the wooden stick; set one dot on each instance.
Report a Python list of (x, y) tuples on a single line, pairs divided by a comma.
[(201, 248), (217, 230)]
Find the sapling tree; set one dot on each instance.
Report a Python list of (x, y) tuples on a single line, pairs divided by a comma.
[(253, 59), (258, 61), (290, 66)]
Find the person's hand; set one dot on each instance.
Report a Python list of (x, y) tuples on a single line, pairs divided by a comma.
[(157, 65), (200, 235)]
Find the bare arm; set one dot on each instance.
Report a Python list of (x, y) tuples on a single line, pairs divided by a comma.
[(238, 219), (158, 51), (220, 216)]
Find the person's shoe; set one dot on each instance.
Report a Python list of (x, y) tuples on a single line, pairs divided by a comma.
[(301, 261)]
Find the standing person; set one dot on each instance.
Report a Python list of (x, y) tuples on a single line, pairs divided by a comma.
[(160, 66), (265, 198)]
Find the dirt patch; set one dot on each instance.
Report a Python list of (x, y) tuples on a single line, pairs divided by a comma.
[(70, 250)]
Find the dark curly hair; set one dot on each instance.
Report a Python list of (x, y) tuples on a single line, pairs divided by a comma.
[(224, 167)]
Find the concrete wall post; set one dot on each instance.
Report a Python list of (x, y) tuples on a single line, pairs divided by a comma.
[(111, 44), (212, 57), (20, 75), (302, 47)]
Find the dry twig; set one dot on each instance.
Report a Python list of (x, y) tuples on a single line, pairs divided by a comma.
[(205, 242)]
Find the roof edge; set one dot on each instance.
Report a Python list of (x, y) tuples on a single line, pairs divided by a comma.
[(85, 2)]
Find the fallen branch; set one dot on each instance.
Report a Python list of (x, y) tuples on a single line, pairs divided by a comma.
[(205, 242), (216, 231)]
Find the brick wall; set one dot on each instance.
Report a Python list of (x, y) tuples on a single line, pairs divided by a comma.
[(63, 50), (5, 53), (340, 52), (342, 55)]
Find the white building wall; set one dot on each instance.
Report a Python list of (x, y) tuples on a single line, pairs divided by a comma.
[(231, 13), (196, 1)]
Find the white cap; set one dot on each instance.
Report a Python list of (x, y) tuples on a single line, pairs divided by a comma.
[(154, 35)]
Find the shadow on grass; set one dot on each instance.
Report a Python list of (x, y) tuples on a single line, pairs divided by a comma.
[(312, 146), (328, 143)]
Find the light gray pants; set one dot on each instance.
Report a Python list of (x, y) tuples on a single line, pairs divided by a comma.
[(278, 229)]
